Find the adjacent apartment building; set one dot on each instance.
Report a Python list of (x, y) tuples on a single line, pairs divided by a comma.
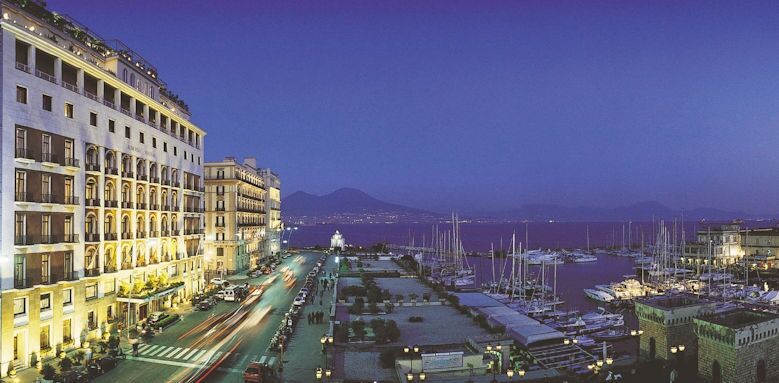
[(273, 225), (102, 195), (235, 216)]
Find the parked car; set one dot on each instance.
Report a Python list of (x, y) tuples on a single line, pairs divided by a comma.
[(219, 281), (253, 373), (220, 294), (298, 301), (204, 305), (157, 316)]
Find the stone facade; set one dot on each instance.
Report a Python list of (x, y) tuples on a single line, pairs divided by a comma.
[(667, 321)]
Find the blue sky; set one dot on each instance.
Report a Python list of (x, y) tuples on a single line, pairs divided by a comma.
[(478, 105)]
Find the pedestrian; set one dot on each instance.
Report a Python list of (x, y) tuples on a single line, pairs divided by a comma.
[(309, 318), (320, 301)]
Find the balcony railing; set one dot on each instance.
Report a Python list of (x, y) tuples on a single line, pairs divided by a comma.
[(113, 171), (154, 234), (92, 272), (140, 206), (23, 197), (49, 157), (126, 174), (166, 207), (219, 224), (156, 180), (93, 167), (24, 240), (70, 87), (71, 162), (91, 95), (71, 200), (127, 235), (45, 76), (22, 283), (154, 206), (23, 67), (25, 153), (166, 233), (49, 198), (70, 238), (174, 208), (177, 184), (92, 202), (110, 203), (126, 111), (109, 269), (109, 104), (110, 236), (140, 234), (127, 205), (143, 177), (67, 276), (166, 182), (92, 237)]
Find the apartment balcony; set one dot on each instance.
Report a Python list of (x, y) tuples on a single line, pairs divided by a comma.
[(91, 95), (218, 208), (25, 240), (166, 182), (140, 234), (219, 224), (155, 180), (142, 177), (112, 171), (109, 104), (127, 265), (92, 237), (70, 238), (71, 87), (49, 198), (110, 203), (22, 283), (107, 269), (92, 202), (127, 235), (66, 276), (155, 206), (26, 154), (23, 197), (141, 206), (177, 184), (126, 111), (166, 207), (71, 162), (174, 208), (165, 233), (154, 234), (193, 231), (127, 205), (49, 158), (94, 272), (71, 200), (110, 236), (126, 174), (48, 77), (140, 118), (93, 167)]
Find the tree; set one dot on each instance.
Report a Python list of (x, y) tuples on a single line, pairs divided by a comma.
[(373, 308), (398, 297), (413, 296), (358, 307), (48, 371), (388, 307), (66, 364), (379, 331), (358, 327), (393, 332), (138, 286), (80, 355), (164, 279)]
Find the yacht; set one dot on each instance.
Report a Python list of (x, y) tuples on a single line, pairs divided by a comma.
[(599, 295)]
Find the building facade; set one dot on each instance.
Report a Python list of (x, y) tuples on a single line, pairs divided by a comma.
[(101, 187), (235, 216), (721, 245), (667, 322), (273, 224)]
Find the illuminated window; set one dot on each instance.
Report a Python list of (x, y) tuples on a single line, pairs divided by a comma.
[(20, 306)]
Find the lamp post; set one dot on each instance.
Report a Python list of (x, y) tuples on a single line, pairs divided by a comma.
[(637, 334), (679, 352), (494, 352), (412, 351), (325, 340), (600, 365)]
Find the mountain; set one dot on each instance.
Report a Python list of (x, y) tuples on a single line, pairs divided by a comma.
[(642, 211), (348, 201)]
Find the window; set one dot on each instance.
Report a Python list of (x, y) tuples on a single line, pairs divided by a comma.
[(141, 137), (154, 142), (45, 270), (175, 152), (67, 331), (67, 297), (45, 345), (165, 147), (91, 291), (21, 94), (185, 154), (220, 252), (20, 306), (68, 110), (126, 132), (91, 322), (112, 126), (93, 118), (46, 301), (109, 313), (46, 103)]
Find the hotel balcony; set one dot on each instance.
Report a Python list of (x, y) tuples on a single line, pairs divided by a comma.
[(127, 174), (94, 272), (127, 205), (113, 171), (22, 153), (92, 202), (110, 236), (127, 235), (142, 177), (23, 197), (109, 269), (93, 167), (154, 234), (50, 158), (92, 237), (71, 200), (140, 206), (140, 234), (110, 203), (166, 233), (166, 182), (155, 180), (71, 162), (166, 208), (154, 206)]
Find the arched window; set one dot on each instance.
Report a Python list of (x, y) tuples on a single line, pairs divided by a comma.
[(164, 223), (90, 259), (140, 196), (126, 193), (90, 224), (109, 191), (140, 227), (124, 75), (126, 224), (110, 260), (91, 189), (141, 257), (152, 196), (132, 79), (92, 156), (127, 258), (108, 224), (110, 159)]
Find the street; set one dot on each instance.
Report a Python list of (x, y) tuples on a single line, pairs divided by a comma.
[(217, 345)]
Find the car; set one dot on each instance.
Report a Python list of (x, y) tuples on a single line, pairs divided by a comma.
[(304, 290), (204, 305), (219, 281), (157, 316), (253, 373), (220, 294), (102, 365), (298, 301)]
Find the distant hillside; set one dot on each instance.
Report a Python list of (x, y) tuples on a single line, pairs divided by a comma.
[(642, 211), (341, 201)]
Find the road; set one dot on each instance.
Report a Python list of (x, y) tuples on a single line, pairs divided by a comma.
[(217, 345)]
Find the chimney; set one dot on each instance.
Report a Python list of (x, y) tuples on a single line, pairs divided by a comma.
[(250, 161)]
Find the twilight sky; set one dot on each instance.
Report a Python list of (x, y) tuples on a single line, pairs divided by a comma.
[(478, 105)]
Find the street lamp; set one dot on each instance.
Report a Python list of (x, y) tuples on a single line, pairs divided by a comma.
[(637, 334), (412, 351), (679, 352)]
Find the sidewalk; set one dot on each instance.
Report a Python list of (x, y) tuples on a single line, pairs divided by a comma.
[(304, 352)]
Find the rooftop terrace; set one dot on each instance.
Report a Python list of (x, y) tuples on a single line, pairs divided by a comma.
[(665, 302), (739, 318)]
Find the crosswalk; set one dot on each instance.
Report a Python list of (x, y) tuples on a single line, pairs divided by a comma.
[(188, 355)]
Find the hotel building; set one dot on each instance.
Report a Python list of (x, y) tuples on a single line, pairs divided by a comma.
[(273, 225), (235, 216), (101, 187)]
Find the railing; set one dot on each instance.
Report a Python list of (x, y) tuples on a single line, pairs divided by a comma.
[(25, 153), (109, 269), (92, 237), (143, 177), (70, 87), (70, 238), (93, 167), (109, 104), (219, 224), (110, 236), (177, 184), (126, 111), (154, 206), (113, 171), (222, 208), (23, 240), (68, 276), (174, 208), (166, 182), (23, 67), (140, 118), (71, 162), (154, 234), (91, 272), (91, 95), (45, 76), (49, 157), (127, 205), (23, 197), (48, 198), (127, 235), (140, 234), (92, 202), (22, 283), (166, 207), (140, 206), (71, 200), (156, 180), (127, 174), (166, 233)]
